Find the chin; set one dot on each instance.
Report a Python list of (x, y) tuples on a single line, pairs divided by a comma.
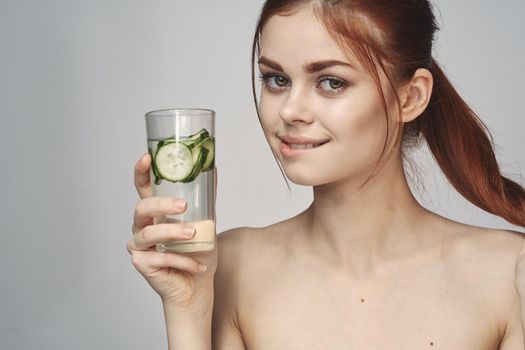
[(304, 178), (316, 177)]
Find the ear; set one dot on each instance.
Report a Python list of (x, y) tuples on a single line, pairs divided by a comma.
[(415, 95)]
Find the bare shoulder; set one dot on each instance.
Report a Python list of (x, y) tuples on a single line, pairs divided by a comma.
[(245, 251), (245, 254), (496, 249), (491, 253), (235, 246), (248, 255), (486, 258)]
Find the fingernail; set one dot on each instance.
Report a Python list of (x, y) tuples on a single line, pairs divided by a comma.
[(202, 268), (180, 203), (188, 231)]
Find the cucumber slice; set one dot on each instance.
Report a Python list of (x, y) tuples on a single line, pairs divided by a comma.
[(156, 175), (174, 161), (209, 144), (196, 138), (201, 134), (199, 157)]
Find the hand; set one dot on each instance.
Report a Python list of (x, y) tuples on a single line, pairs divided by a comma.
[(175, 277)]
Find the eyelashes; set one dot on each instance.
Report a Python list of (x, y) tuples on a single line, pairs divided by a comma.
[(328, 85), (273, 81)]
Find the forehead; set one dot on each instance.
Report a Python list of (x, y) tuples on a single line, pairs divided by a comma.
[(300, 38)]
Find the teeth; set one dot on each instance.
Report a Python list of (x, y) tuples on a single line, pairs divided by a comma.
[(302, 146)]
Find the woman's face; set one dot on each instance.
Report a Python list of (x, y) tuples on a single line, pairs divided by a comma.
[(313, 91)]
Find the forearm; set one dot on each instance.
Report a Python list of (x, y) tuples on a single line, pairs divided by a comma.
[(189, 329)]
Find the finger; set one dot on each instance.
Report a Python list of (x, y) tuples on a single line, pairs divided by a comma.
[(152, 234), (142, 179), (148, 208), (148, 262)]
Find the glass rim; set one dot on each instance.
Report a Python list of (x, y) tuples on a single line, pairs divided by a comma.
[(173, 112)]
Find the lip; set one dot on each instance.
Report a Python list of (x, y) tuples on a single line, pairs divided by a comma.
[(288, 151), (300, 140)]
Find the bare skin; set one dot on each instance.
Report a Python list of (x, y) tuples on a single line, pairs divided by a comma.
[(273, 291), (435, 284), (362, 267)]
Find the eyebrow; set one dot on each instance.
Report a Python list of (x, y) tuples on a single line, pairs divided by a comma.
[(308, 68)]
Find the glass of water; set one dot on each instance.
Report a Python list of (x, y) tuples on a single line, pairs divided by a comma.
[(181, 143)]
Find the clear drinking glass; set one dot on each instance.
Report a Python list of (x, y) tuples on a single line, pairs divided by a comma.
[(181, 143)]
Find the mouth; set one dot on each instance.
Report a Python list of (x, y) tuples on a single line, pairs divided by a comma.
[(303, 145), (289, 149)]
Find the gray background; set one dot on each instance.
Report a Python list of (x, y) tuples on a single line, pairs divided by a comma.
[(76, 78)]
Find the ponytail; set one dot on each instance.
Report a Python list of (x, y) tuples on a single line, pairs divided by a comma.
[(460, 143)]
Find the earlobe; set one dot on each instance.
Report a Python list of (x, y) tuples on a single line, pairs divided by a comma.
[(416, 95)]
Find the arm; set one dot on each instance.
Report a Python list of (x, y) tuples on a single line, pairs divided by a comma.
[(189, 329), (226, 334), (522, 323), (212, 322), (186, 291), (522, 320), (520, 285), (514, 338)]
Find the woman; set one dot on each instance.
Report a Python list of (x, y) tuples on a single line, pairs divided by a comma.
[(347, 88)]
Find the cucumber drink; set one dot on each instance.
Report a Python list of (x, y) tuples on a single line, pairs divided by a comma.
[(181, 160), (183, 166)]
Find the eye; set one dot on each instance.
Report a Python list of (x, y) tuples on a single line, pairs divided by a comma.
[(331, 85), (274, 81)]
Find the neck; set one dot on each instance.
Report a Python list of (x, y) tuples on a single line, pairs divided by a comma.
[(366, 230)]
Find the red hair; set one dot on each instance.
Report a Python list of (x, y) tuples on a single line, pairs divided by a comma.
[(398, 40)]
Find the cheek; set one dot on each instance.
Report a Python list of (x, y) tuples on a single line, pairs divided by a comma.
[(268, 111), (358, 121), (358, 126)]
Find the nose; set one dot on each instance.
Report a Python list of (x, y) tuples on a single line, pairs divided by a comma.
[(295, 108)]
